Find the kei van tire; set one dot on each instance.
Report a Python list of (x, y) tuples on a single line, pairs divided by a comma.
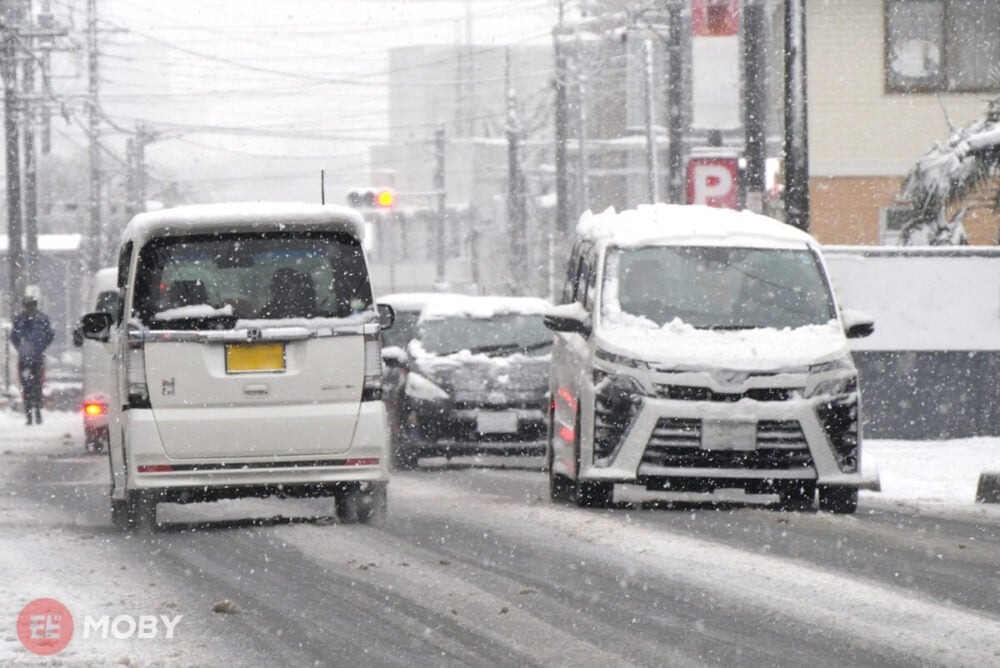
[(135, 514), (838, 500), (363, 503)]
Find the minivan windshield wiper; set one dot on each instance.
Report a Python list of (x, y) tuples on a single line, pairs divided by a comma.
[(502, 347), (498, 347)]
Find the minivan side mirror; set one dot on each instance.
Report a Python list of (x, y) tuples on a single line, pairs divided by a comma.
[(96, 326), (568, 318), (386, 316), (857, 324)]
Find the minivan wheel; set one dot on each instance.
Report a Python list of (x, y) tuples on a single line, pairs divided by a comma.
[(839, 500), (589, 493), (593, 493), (362, 505)]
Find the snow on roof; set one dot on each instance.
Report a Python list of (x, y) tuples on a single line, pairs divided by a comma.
[(483, 307), (689, 224), (266, 214)]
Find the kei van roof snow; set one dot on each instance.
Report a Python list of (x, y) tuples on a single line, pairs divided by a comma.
[(265, 216)]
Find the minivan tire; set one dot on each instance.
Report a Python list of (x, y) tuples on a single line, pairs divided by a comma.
[(589, 493), (838, 500)]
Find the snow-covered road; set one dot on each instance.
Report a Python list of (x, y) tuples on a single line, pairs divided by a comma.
[(475, 566)]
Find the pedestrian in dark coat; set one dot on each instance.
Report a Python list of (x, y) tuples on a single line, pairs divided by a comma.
[(31, 334)]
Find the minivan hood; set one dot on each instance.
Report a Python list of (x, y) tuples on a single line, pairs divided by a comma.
[(473, 378), (679, 345)]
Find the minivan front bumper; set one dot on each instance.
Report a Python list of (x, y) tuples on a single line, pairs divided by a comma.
[(665, 446)]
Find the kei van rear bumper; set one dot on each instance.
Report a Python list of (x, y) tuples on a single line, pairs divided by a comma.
[(150, 468)]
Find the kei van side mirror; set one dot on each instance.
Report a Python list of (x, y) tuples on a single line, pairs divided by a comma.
[(96, 326), (568, 318), (857, 324), (386, 316)]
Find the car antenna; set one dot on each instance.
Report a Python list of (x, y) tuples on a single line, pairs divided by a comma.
[(322, 186)]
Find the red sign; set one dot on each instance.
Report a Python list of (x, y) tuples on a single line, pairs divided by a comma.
[(715, 18), (713, 181)]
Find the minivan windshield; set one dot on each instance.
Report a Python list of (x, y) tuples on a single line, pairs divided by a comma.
[(270, 276), (503, 333), (716, 287)]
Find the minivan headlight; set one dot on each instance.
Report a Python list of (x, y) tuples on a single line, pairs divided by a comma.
[(421, 387), (836, 377)]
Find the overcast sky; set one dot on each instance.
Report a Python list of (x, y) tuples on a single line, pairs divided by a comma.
[(278, 90)]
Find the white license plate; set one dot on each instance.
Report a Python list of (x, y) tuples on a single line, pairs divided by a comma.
[(728, 435), (496, 423)]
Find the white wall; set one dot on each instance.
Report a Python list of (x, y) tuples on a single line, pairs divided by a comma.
[(922, 299)]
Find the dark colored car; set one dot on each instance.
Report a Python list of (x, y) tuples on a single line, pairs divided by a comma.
[(476, 380)]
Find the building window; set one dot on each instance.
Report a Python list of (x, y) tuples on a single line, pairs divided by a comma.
[(942, 45)]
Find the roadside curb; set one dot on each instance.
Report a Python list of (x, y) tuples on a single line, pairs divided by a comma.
[(988, 490)]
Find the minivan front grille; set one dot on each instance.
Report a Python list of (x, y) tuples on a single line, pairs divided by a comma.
[(676, 443), (697, 393)]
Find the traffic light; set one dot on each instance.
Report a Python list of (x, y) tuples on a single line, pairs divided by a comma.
[(371, 198)]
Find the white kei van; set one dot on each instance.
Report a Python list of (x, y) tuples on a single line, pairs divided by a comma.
[(248, 360), (699, 349), (98, 375)]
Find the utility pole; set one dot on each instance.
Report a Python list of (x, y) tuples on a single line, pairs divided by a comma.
[(755, 106), (675, 101), (583, 177), (136, 177), (561, 123), (439, 154), (8, 69), (30, 163), (517, 210), (94, 232), (652, 170), (796, 115)]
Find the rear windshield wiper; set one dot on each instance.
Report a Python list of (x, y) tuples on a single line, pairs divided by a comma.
[(212, 322)]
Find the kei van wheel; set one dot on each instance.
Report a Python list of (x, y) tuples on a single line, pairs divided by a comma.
[(838, 500), (136, 513), (362, 503)]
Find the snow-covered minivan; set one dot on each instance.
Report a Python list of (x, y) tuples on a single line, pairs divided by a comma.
[(248, 360), (698, 349)]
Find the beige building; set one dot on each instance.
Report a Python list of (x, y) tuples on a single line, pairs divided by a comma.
[(885, 79)]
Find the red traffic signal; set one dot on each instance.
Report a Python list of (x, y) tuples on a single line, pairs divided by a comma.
[(371, 198)]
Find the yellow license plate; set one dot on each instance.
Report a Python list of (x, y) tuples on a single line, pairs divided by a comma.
[(251, 357)]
